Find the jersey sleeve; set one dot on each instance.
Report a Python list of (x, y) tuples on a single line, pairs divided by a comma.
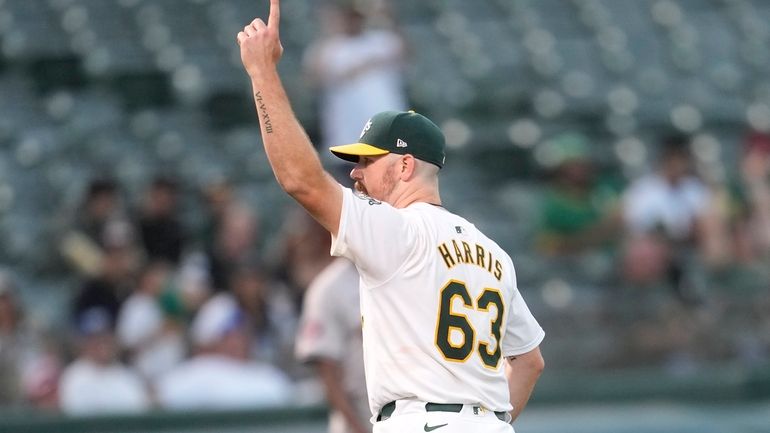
[(522, 332), (321, 333), (374, 235)]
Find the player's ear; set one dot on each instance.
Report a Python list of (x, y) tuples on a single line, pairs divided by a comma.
[(407, 167)]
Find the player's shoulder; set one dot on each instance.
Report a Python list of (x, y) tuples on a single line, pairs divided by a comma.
[(445, 220), (447, 223), (465, 228)]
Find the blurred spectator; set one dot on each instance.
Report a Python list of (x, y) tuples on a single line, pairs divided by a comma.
[(330, 338), (753, 345), (303, 252), (230, 234), (738, 222), (96, 382), (755, 170), (112, 285), (220, 375), (192, 286), (29, 363), (269, 312), (577, 213), (162, 234), (664, 213), (150, 325), (99, 222), (674, 337), (358, 71)]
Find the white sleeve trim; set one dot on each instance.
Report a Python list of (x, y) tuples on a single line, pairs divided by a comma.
[(527, 347)]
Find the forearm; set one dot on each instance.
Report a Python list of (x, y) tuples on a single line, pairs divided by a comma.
[(522, 373), (336, 395), (288, 148)]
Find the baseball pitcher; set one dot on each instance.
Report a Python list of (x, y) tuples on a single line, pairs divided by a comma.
[(449, 343)]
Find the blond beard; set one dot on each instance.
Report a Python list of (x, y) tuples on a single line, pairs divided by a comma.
[(389, 183)]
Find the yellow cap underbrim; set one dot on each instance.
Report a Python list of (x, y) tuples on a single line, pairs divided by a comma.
[(351, 152)]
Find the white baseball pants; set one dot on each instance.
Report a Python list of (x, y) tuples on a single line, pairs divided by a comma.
[(411, 417)]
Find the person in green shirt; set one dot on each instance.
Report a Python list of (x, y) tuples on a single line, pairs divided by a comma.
[(578, 210)]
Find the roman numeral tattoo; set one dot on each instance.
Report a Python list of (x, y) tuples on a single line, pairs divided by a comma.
[(262, 111)]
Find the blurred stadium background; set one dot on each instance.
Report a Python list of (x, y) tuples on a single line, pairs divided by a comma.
[(95, 87)]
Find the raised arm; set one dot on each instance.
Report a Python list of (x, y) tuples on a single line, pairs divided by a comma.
[(294, 161)]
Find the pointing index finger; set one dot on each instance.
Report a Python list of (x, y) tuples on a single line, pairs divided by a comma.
[(275, 14)]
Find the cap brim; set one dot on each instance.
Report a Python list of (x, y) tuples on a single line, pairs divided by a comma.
[(351, 152)]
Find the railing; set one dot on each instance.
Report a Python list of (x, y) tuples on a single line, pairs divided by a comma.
[(713, 385)]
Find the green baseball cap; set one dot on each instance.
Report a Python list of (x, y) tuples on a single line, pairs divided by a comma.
[(398, 132)]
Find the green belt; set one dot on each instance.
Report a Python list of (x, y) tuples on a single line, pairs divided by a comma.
[(388, 409)]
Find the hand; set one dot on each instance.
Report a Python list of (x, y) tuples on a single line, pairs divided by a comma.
[(261, 43)]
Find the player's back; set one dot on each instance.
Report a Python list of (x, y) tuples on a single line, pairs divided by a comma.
[(434, 330), (439, 304)]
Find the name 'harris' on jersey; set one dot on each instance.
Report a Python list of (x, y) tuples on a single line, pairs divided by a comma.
[(478, 256)]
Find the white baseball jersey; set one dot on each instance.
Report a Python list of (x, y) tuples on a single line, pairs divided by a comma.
[(439, 303), (330, 327)]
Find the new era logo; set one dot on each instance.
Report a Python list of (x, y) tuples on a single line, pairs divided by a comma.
[(400, 143)]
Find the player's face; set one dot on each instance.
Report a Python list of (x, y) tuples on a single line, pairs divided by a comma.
[(376, 176)]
